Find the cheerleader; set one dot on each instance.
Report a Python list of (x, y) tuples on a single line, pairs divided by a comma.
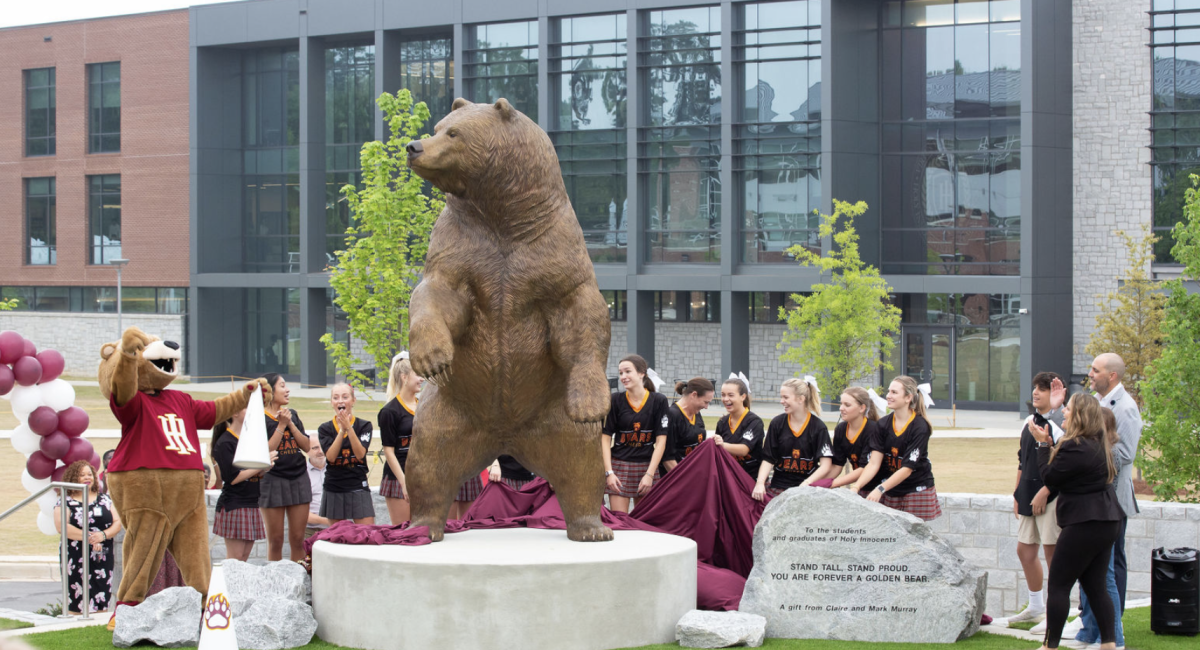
[(740, 433), (903, 437), (508, 471), (395, 433), (685, 425), (284, 490), (237, 517), (854, 441), (797, 441), (634, 437), (345, 440)]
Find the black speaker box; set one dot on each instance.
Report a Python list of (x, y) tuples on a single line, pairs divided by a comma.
[(1175, 591)]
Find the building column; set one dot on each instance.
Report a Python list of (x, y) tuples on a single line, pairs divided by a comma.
[(640, 323), (1046, 190), (460, 87), (387, 72), (735, 333), (312, 207), (543, 74)]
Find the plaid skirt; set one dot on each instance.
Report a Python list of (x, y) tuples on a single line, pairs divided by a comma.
[(242, 523), (774, 491), (469, 491), (347, 505), (630, 474), (922, 505), (390, 488), (276, 492), (514, 483)]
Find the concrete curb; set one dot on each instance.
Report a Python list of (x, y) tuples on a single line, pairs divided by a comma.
[(29, 568)]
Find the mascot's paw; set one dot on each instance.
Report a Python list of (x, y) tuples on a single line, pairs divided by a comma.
[(589, 530), (133, 341), (260, 383), (588, 399), (430, 357)]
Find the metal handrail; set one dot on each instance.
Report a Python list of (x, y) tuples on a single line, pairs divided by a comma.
[(62, 545)]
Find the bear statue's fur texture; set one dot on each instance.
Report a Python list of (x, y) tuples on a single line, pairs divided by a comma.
[(161, 508), (508, 323)]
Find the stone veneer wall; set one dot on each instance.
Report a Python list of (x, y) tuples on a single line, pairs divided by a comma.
[(80, 336), (1112, 91), (983, 529)]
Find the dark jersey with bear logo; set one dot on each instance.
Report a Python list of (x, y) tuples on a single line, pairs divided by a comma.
[(291, 462), (796, 452), (346, 473), (685, 435), (905, 445), (233, 495), (746, 431), (855, 448), (634, 428), (395, 431)]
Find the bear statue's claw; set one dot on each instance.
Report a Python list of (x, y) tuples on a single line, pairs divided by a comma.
[(589, 531)]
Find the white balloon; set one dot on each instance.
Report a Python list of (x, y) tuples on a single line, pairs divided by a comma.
[(58, 394), (45, 524), (32, 484), (25, 399), (24, 440), (47, 501)]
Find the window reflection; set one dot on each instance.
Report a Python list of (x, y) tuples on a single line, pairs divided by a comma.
[(427, 71), (1175, 120), (502, 62), (273, 341), (349, 122)]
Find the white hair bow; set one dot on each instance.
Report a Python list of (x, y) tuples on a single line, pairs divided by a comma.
[(878, 401), (654, 378), (925, 390), (743, 379), (403, 355), (812, 381)]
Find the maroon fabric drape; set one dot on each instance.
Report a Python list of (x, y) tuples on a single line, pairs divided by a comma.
[(706, 498)]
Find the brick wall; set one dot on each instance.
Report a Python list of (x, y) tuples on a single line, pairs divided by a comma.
[(1112, 93), (79, 337), (153, 161)]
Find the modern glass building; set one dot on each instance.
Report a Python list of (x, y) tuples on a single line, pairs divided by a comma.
[(696, 140)]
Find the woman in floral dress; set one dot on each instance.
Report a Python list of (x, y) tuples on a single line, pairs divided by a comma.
[(102, 525)]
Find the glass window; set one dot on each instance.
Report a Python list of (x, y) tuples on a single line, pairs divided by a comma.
[(104, 107), (271, 98), (271, 161), (100, 299), (777, 141), (349, 122), (337, 325), (138, 300), (679, 158), (172, 300), (587, 97), (1175, 116), (951, 138), (273, 341), (40, 221), (104, 217), (502, 62), (616, 304), (23, 295), (427, 71), (52, 298), (272, 213), (40, 112)]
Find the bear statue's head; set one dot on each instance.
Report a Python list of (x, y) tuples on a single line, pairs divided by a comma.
[(484, 151), (157, 361)]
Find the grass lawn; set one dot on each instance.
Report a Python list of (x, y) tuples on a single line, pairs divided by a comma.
[(9, 624)]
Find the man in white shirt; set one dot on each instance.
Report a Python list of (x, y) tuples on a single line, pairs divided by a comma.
[(316, 480)]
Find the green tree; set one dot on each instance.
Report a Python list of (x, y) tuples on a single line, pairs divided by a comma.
[(1130, 323), (844, 329), (386, 242), (9, 305), (1171, 437)]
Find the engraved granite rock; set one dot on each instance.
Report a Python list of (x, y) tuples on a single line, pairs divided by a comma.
[(700, 629), (831, 565)]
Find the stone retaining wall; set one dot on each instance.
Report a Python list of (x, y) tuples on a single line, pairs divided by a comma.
[(983, 529), (79, 336)]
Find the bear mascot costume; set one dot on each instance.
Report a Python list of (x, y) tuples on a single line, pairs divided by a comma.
[(156, 476)]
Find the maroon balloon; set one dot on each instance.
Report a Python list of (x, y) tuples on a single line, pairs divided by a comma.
[(28, 349), (43, 421), (58, 473), (6, 379), (73, 421), (81, 449), (52, 364), (27, 371), (56, 445), (12, 346), (40, 465), (95, 461)]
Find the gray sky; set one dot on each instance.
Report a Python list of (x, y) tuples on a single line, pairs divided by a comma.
[(26, 12)]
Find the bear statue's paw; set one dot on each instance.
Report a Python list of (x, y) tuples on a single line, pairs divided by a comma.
[(437, 529), (432, 361), (585, 405), (589, 530)]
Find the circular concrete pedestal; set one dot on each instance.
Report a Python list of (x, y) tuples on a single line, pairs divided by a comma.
[(504, 589)]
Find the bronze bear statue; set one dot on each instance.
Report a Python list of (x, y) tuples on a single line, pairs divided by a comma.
[(508, 323)]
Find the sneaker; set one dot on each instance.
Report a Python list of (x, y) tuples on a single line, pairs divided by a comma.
[(1028, 614), (1096, 646), (1072, 628), (1073, 644), (1038, 629)]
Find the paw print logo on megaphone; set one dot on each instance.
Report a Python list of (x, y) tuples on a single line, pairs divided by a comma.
[(217, 613)]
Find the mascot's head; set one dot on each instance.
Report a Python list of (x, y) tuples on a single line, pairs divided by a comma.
[(157, 361)]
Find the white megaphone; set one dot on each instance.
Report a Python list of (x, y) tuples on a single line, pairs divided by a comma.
[(252, 451), (216, 623)]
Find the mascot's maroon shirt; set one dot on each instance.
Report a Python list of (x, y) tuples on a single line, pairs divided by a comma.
[(159, 431)]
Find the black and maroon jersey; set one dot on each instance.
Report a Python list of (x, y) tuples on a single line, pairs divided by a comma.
[(746, 431), (635, 427), (905, 445), (347, 472), (795, 448), (685, 434), (395, 431)]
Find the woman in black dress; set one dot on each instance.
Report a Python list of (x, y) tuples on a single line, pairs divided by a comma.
[(740, 433), (855, 441), (634, 437), (102, 525), (284, 490), (395, 434), (685, 424), (797, 442), (345, 440), (1082, 469)]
